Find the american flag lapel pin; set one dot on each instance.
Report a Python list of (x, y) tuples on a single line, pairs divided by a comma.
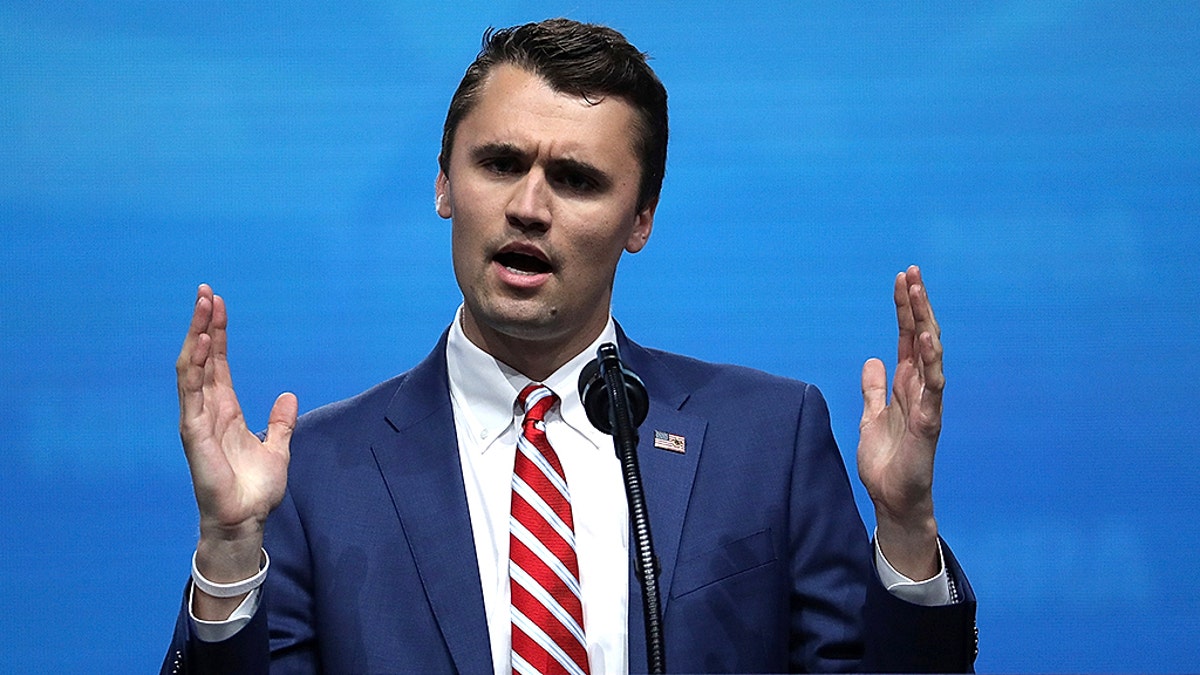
[(671, 442)]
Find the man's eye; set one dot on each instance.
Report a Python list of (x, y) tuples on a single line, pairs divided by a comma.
[(577, 182), (501, 165)]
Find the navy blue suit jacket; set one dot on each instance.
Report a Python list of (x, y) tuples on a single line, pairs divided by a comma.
[(766, 566)]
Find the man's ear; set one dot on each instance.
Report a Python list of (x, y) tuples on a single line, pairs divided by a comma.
[(642, 224), (441, 191)]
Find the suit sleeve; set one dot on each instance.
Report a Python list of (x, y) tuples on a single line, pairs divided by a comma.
[(904, 637), (829, 553), (842, 617), (280, 636), (245, 652)]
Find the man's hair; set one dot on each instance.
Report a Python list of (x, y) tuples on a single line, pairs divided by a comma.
[(580, 59)]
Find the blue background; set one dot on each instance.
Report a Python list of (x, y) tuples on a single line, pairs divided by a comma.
[(1040, 160)]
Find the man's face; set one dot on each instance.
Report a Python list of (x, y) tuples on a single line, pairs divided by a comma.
[(542, 188)]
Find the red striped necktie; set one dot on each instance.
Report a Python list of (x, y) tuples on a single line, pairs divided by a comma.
[(547, 615)]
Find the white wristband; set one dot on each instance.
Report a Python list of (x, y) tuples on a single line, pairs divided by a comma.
[(230, 590)]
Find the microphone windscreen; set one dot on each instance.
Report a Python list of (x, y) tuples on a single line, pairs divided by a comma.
[(594, 394)]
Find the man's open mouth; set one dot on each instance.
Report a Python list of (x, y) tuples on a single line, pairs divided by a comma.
[(522, 262)]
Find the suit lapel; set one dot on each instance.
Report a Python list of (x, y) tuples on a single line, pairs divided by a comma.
[(418, 456), (667, 477)]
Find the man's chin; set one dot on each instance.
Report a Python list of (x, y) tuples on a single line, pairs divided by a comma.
[(525, 321)]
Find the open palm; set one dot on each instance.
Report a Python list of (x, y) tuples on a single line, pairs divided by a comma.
[(237, 478), (898, 439)]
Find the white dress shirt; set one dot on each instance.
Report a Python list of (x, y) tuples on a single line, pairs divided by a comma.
[(484, 392)]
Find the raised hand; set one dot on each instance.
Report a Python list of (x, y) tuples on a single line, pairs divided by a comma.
[(237, 479), (898, 440)]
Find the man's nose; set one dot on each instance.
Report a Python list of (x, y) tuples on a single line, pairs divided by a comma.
[(529, 205)]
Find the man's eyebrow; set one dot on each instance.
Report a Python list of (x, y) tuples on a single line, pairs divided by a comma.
[(495, 150)]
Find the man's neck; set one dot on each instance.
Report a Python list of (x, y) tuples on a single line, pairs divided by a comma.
[(536, 359)]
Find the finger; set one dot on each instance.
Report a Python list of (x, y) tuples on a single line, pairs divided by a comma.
[(929, 342), (935, 378), (922, 308), (874, 390), (193, 355), (904, 319), (282, 421), (201, 316), (216, 371), (218, 330)]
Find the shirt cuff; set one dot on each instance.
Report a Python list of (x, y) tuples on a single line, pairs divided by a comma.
[(216, 631), (931, 592)]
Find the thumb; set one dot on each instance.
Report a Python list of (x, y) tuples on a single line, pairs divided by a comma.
[(282, 421), (874, 390)]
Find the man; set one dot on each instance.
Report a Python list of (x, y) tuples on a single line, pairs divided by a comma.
[(387, 519)]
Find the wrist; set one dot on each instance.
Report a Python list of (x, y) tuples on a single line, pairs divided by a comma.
[(228, 560), (910, 545), (215, 530)]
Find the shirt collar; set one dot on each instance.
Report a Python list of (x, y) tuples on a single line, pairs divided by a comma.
[(485, 389)]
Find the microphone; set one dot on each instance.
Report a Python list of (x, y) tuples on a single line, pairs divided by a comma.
[(595, 397), (617, 403)]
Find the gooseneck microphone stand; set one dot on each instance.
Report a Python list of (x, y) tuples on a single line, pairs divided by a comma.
[(616, 403)]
